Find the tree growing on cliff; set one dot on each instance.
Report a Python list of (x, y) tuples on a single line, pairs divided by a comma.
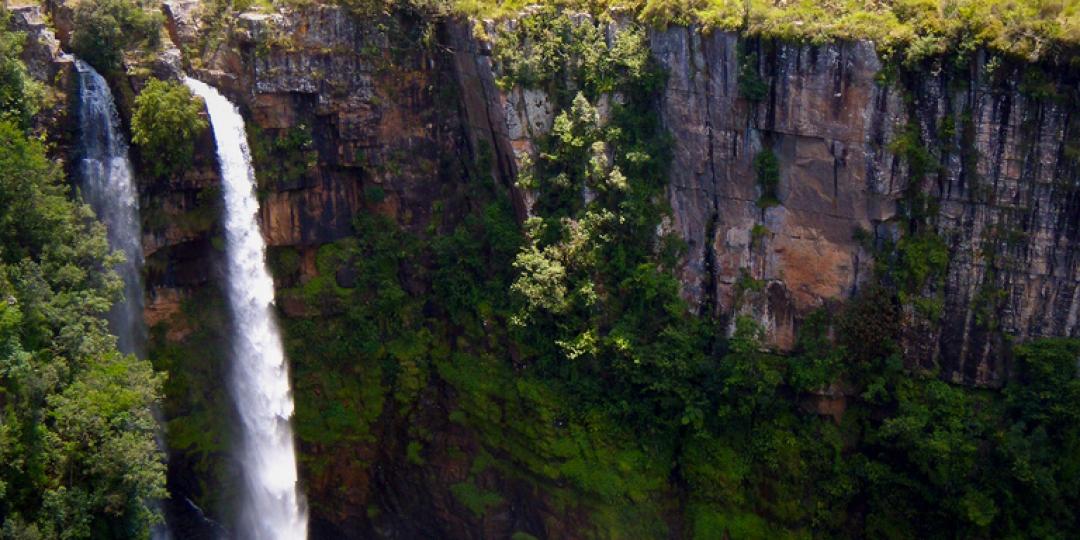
[(104, 29), (166, 123), (19, 94), (767, 169)]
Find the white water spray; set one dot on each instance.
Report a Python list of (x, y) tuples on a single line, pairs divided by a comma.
[(260, 380)]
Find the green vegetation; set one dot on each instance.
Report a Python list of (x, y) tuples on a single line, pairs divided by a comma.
[(77, 451), (104, 30), (199, 425), (767, 169), (597, 302), (751, 85), (19, 95), (165, 125), (282, 159), (921, 261), (475, 499), (910, 29)]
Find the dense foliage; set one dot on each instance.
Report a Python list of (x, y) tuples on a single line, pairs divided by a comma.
[(105, 29), (165, 125), (283, 158), (19, 95), (599, 304), (78, 457), (1030, 29)]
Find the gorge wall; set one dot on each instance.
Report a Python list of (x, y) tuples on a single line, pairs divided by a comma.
[(395, 116), (1004, 193), (1003, 184)]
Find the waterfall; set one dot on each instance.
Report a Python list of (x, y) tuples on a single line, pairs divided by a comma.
[(108, 186), (260, 380)]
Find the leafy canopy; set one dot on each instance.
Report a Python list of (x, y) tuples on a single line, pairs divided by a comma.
[(77, 450), (165, 125), (78, 458), (105, 29)]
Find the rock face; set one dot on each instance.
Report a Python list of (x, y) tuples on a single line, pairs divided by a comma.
[(46, 62), (1009, 200), (41, 50), (372, 120), (827, 123), (1005, 194)]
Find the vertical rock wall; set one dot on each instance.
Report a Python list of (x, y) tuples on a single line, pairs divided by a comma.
[(1005, 193)]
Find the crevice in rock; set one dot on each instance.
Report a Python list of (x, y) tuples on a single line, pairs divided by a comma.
[(711, 302), (835, 173), (711, 305)]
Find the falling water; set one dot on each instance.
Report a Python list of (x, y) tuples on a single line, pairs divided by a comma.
[(260, 378), (108, 187)]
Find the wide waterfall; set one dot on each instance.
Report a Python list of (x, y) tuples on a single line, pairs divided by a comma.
[(260, 380), (108, 186)]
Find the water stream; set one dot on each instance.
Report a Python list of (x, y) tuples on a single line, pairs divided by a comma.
[(270, 506), (108, 187)]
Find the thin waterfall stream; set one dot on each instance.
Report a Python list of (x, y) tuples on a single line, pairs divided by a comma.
[(270, 506), (108, 186)]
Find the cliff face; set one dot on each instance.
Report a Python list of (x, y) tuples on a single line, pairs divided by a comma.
[(370, 109), (1003, 186), (828, 124), (1004, 191)]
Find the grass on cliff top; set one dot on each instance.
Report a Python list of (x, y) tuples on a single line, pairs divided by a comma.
[(1030, 29)]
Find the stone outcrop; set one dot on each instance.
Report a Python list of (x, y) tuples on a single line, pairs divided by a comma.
[(823, 119), (372, 118), (42, 53), (46, 63)]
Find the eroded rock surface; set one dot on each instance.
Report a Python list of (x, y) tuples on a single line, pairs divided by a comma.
[(1005, 183)]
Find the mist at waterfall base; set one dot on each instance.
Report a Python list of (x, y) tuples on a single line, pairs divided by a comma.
[(270, 507)]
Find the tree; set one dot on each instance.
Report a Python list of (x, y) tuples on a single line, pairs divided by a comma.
[(104, 29), (166, 123), (77, 452), (19, 94)]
